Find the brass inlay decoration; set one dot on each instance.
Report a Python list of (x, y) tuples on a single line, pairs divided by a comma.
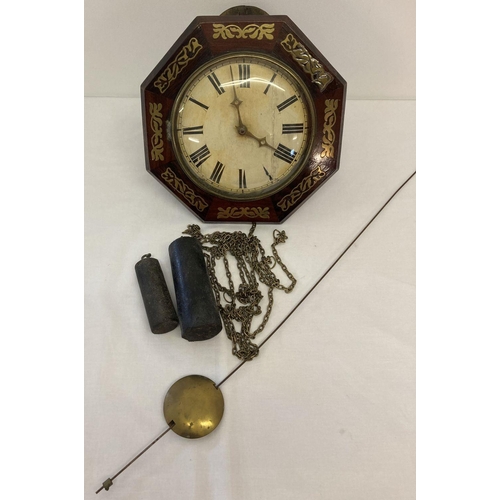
[(298, 191), (236, 213), (311, 66), (178, 184), (186, 54), (328, 133), (156, 123), (254, 31)]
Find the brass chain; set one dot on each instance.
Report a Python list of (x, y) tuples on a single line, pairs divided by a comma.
[(254, 266)]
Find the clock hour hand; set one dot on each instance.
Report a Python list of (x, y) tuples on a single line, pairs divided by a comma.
[(261, 140)]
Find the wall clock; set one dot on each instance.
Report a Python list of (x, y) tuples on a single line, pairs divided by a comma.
[(243, 117)]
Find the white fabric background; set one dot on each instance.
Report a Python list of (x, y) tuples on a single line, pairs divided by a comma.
[(327, 411)]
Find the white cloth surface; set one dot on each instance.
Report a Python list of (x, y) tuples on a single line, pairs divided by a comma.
[(327, 410)]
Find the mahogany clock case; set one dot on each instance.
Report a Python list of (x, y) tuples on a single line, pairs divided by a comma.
[(207, 38)]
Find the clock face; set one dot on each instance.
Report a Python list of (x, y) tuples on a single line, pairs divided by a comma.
[(242, 126)]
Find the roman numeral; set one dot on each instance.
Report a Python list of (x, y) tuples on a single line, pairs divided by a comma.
[(270, 83), (242, 179), (215, 82), (267, 173), (244, 75), (217, 173), (200, 155), (293, 128), (192, 130), (287, 103), (198, 103), (285, 154)]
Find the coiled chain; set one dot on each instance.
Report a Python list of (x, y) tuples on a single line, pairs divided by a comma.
[(253, 266)]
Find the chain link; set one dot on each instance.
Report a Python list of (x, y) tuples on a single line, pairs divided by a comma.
[(253, 266)]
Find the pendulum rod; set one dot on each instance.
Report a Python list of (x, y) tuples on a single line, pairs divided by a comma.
[(107, 484)]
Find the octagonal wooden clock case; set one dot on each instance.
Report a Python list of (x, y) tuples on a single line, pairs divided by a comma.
[(243, 118)]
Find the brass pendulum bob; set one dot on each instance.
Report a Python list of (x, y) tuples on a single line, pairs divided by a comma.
[(193, 406)]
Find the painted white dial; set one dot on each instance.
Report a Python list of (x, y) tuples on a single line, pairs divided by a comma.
[(242, 126)]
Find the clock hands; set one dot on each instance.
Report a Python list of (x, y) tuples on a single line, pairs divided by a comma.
[(241, 128)]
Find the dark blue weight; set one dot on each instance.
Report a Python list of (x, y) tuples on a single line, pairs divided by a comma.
[(196, 306)]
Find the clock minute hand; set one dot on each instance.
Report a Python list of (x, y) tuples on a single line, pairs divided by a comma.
[(236, 103)]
